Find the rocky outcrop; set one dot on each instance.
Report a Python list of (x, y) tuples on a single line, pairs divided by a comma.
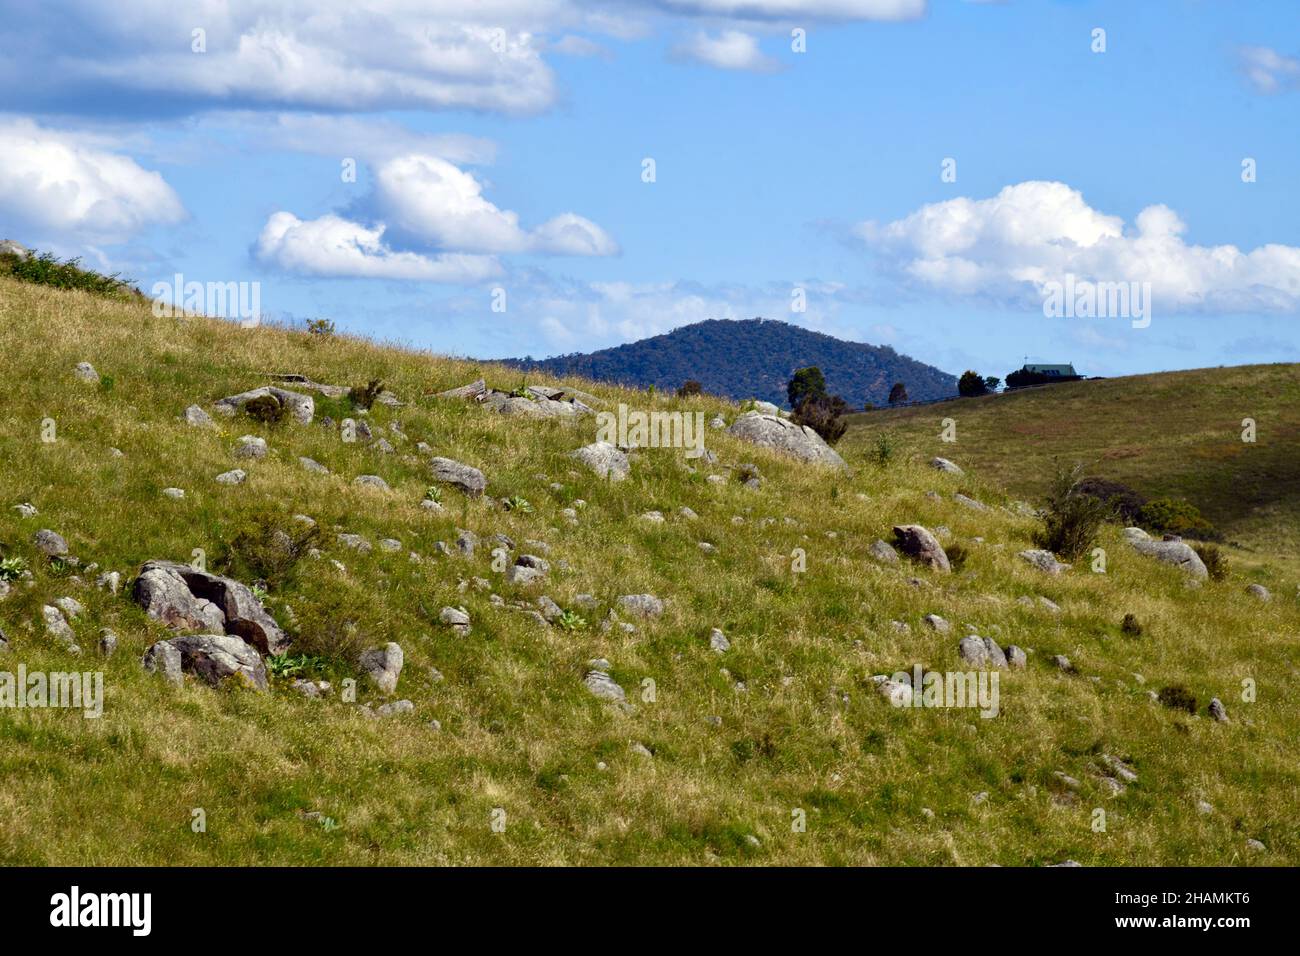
[(187, 599), (784, 436), (213, 658), (301, 407)]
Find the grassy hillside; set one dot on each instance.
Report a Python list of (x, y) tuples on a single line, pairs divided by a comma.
[(802, 727), (1173, 434)]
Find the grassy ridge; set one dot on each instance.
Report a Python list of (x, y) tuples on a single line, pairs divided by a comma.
[(1171, 434), (519, 732)]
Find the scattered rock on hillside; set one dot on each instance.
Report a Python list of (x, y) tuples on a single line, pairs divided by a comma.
[(196, 416), (970, 502), (936, 623), (301, 407), (1016, 657), (107, 642), (176, 494), (313, 466), (1175, 552), (943, 464), (467, 479), (26, 510), (236, 476), (383, 665), (457, 618), (475, 390), (718, 641), (604, 459), (86, 372), (645, 605), (1218, 711), (250, 446), (784, 436), (981, 652), (213, 658), (371, 481), (920, 545), (50, 543), (184, 598), (603, 686), (1259, 591), (57, 626), (883, 552), (1044, 561)]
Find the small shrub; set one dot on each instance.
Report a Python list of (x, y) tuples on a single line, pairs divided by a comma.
[(266, 551), (363, 396), (1177, 697), (433, 493), (1131, 627), (321, 328), (884, 448), (1213, 559), (516, 503), (266, 409), (747, 472), (1176, 516), (295, 665), (690, 387), (824, 414), (1071, 520), (46, 269)]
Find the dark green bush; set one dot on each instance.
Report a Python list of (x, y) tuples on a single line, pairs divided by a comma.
[(1071, 520), (1176, 516), (1131, 627), (266, 550), (46, 269), (824, 414), (1126, 502), (363, 396)]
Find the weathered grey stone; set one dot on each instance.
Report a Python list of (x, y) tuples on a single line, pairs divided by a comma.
[(165, 659), (973, 651), (356, 542), (86, 372), (943, 464), (1259, 591), (718, 641), (313, 466), (970, 502), (604, 459), (467, 479), (395, 708), (1044, 561), (371, 481), (883, 552), (936, 623), (457, 618), (50, 543), (383, 665), (57, 626), (644, 605), (250, 446), (784, 436), (1218, 711), (920, 545), (107, 642), (70, 607), (1178, 553), (176, 494), (603, 686), (196, 416), (236, 476), (1016, 657)]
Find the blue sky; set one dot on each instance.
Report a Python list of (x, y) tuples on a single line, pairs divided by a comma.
[(505, 152)]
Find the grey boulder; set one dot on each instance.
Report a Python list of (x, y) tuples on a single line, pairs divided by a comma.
[(784, 436)]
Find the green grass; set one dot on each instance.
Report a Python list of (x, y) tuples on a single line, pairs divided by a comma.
[(519, 731), (1170, 434)]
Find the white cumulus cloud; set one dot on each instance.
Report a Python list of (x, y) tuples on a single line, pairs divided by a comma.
[(333, 246), (1011, 245), (1269, 71), (430, 198), (73, 187)]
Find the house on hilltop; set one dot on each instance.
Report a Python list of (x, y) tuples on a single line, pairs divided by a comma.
[(1032, 373)]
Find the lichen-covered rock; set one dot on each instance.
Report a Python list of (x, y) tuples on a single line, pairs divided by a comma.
[(604, 459), (1044, 561), (383, 665), (301, 407), (216, 658)]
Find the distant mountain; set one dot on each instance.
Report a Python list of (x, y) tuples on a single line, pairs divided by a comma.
[(753, 358)]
